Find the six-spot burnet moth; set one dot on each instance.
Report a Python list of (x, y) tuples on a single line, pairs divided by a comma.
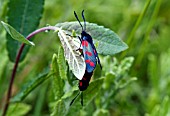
[(90, 56), (89, 51)]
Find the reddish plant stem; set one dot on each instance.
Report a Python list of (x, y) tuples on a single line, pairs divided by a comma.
[(17, 61)]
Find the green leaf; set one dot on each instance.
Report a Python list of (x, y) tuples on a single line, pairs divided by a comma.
[(108, 42), (101, 112), (41, 99), (18, 109), (62, 64), (124, 84), (59, 109), (61, 103), (16, 35), (109, 81), (24, 16), (30, 86), (155, 111), (58, 84), (154, 70), (92, 90), (126, 63), (165, 106)]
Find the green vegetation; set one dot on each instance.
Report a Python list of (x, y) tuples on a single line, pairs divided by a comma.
[(133, 81)]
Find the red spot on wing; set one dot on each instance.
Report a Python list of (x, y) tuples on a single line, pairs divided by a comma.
[(80, 83), (84, 43), (88, 53), (92, 64), (87, 61)]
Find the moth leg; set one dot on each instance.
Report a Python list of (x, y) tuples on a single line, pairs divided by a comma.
[(98, 60), (79, 49), (74, 98), (80, 42)]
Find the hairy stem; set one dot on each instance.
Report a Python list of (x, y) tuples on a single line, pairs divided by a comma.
[(17, 61)]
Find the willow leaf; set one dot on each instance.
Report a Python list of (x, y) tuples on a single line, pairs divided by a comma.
[(15, 34), (75, 60)]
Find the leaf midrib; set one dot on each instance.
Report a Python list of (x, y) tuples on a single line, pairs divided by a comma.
[(24, 16)]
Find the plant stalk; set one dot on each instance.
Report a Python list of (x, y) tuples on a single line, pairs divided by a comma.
[(17, 61)]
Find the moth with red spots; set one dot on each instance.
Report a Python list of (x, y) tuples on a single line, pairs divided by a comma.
[(90, 56), (89, 51)]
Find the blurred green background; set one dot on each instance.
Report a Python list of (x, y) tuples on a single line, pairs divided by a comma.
[(148, 42)]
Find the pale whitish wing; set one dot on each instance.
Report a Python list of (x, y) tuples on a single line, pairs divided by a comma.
[(75, 60)]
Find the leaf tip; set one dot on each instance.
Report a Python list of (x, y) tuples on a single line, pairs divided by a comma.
[(56, 31), (2, 22), (54, 56), (32, 43), (134, 79)]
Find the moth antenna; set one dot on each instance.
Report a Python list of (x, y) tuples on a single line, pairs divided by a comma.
[(82, 98), (74, 98), (78, 20), (84, 20)]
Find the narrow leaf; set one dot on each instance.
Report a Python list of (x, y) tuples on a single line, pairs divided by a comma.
[(30, 86), (58, 83), (109, 43), (24, 16), (62, 64), (75, 60), (18, 109), (154, 70), (16, 35)]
